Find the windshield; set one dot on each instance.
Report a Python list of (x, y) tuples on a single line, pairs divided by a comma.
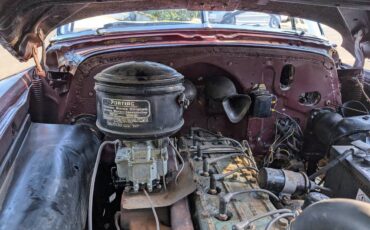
[(177, 19)]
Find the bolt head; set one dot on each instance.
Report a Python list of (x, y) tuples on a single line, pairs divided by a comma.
[(251, 227), (223, 217), (205, 173), (212, 191), (283, 222), (253, 180)]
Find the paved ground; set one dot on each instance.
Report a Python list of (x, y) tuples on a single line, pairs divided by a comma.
[(10, 65)]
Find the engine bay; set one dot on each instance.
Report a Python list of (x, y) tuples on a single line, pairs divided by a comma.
[(207, 178), (215, 138)]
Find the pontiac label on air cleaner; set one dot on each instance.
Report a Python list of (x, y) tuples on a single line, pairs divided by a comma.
[(126, 113)]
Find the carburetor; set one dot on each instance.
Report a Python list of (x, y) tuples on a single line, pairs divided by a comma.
[(141, 104), (142, 163)]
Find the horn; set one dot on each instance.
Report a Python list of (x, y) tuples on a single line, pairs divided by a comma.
[(236, 106)]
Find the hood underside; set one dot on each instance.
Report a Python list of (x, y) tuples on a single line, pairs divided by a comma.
[(25, 23)]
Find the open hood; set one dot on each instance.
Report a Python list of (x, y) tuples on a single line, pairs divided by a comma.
[(25, 23)]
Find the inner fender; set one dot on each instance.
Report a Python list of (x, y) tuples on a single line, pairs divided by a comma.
[(48, 184)]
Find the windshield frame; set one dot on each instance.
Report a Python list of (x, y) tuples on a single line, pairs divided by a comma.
[(204, 24)]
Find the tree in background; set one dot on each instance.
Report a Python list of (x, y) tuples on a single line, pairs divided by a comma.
[(173, 15)]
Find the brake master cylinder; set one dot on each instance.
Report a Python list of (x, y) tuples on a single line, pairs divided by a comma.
[(141, 104)]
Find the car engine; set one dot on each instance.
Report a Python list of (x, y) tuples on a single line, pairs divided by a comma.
[(205, 180)]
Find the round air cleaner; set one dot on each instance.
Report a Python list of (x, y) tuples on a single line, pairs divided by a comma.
[(139, 100)]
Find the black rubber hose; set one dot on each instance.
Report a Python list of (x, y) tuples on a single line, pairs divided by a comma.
[(338, 214)]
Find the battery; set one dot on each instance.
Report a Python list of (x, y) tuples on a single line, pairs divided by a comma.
[(351, 177)]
